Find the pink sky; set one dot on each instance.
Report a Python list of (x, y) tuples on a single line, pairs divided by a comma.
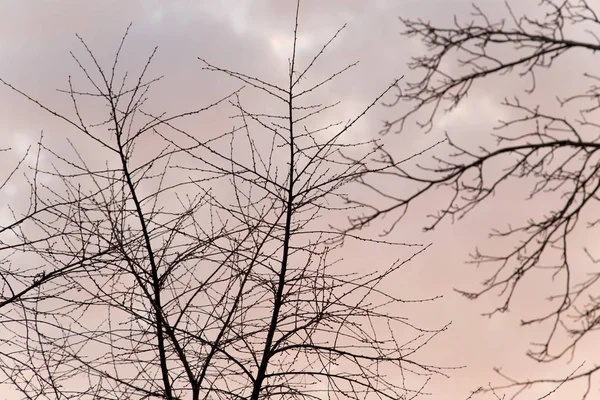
[(254, 37)]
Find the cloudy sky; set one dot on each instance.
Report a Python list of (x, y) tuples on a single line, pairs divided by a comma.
[(254, 37)]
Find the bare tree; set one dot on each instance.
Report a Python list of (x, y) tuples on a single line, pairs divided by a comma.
[(551, 147), (203, 266)]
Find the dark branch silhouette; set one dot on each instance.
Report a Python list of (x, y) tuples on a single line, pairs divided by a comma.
[(555, 153)]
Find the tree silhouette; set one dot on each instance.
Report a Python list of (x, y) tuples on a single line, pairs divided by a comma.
[(176, 263), (551, 145)]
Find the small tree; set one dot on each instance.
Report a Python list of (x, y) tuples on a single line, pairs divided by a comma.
[(203, 266), (553, 148)]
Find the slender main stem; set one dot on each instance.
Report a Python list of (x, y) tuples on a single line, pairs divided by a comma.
[(267, 351)]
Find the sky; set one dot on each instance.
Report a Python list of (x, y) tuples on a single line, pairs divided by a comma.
[(255, 37)]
